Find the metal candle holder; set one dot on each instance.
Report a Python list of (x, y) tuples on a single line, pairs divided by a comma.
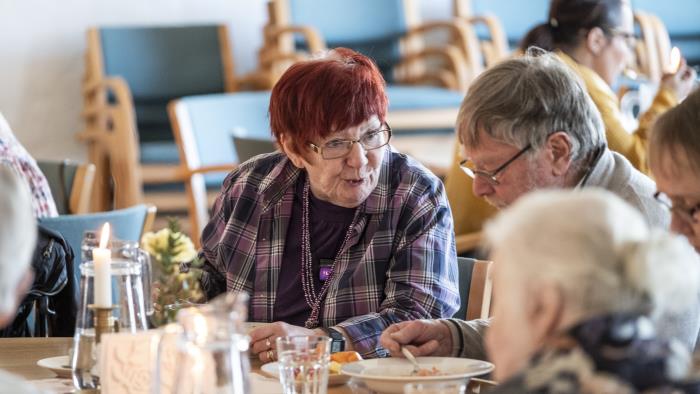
[(104, 323)]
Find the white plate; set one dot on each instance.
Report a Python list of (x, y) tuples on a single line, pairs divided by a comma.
[(60, 365), (273, 370), (389, 375)]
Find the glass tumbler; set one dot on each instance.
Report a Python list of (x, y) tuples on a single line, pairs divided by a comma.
[(303, 364)]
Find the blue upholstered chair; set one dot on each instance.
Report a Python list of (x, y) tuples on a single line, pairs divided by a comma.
[(131, 75), (127, 224), (389, 32), (203, 127), (475, 287), (70, 184)]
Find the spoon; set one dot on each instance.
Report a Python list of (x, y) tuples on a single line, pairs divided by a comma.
[(410, 358)]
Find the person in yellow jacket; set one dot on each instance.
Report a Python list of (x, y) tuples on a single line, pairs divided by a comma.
[(596, 39)]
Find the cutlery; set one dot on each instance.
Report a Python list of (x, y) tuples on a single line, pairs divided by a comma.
[(410, 358)]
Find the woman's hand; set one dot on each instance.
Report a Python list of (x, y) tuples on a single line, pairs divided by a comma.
[(263, 338), (421, 337), (681, 82)]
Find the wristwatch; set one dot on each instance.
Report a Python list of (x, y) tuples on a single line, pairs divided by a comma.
[(337, 340)]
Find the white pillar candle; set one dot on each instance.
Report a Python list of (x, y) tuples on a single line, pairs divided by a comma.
[(102, 260)]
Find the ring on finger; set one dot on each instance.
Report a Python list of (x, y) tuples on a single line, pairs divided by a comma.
[(267, 343), (270, 355)]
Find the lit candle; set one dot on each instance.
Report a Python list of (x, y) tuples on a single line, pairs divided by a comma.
[(102, 260), (675, 60)]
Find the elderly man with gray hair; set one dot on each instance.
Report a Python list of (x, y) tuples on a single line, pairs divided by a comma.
[(18, 233), (527, 124)]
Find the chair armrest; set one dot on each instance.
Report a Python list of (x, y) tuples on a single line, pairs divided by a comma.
[(256, 80), (116, 85), (467, 242), (312, 37), (497, 48), (212, 168), (463, 35), (451, 55)]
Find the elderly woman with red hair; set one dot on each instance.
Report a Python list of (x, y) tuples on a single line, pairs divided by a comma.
[(337, 234)]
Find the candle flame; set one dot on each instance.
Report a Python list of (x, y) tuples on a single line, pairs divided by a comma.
[(674, 62), (104, 238)]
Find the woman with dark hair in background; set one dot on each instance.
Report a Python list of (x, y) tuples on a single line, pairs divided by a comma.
[(596, 38)]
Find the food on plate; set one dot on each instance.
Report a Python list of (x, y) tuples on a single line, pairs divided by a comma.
[(428, 372), (340, 358)]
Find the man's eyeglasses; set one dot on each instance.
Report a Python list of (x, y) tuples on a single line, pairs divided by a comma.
[(685, 213), (469, 168), (629, 37), (337, 148)]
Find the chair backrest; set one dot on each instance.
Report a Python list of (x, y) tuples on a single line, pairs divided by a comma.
[(475, 287), (163, 63), (247, 147), (70, 183), (203, 126), (126, 224), (367, 26)]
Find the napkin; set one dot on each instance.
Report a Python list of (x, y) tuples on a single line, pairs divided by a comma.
[(260, 384)]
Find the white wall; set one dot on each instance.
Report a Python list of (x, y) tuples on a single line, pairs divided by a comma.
[(41, 55)]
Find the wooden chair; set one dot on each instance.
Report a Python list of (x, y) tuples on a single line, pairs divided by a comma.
[(647, 51), (677, 23), (203, 127), (420, 96), (70, 183), (512, 18), (475, 286), (131, 74)]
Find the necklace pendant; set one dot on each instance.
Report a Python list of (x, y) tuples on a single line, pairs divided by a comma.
[(310, 324)]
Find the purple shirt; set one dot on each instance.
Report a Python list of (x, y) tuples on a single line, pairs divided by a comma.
[(328, 225)]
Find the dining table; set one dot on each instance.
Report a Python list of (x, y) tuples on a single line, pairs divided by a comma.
[(20, 355)]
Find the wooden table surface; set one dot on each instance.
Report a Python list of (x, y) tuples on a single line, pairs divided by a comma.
[(19, 356)]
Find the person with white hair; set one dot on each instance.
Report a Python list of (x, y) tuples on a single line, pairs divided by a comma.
[(18, 232), (573, 305)]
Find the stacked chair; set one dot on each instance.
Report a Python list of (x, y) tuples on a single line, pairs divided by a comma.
[(426, 83), (131, 75)]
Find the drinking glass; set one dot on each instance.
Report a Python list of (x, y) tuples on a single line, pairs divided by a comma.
[(459, 387), (303, 364)]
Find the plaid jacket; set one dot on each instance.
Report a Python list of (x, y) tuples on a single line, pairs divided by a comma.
[(13, 155), (400, 263)]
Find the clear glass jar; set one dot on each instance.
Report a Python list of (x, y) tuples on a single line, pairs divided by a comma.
[(211, 343), (130, 299)]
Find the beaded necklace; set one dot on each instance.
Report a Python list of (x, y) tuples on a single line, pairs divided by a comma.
[(312, 298)]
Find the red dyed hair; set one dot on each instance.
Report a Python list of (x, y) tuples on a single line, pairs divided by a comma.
[(317, 97)]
